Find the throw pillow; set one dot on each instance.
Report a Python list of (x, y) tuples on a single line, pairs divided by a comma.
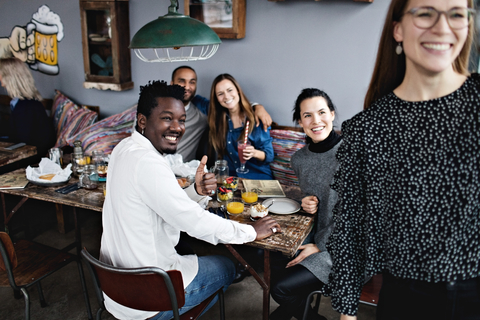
[(107, 133), (285, 144)]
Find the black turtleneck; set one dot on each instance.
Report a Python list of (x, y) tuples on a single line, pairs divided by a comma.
[(325, 145)]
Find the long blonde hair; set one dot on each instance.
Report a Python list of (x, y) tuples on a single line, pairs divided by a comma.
[(217, 115), (18, 80), (390, 68)]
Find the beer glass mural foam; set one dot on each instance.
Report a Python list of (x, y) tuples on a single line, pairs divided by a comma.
[(48, 31)]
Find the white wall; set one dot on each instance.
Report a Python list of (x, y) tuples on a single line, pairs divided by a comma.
[(288, 46)]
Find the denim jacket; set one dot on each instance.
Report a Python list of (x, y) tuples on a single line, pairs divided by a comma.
[(260, 140)]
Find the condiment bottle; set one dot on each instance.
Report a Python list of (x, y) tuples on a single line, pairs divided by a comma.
[(78, 159)]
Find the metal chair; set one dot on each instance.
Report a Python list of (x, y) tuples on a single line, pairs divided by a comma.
[(127, 286), (369, 295), (26, 263)]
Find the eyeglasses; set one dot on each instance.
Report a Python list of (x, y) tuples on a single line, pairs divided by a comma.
[(427, 17)]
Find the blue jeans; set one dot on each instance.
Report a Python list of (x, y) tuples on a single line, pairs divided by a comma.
[(214, 272)]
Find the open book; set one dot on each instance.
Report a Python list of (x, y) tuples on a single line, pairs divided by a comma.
[(13, 180), (265, 188)]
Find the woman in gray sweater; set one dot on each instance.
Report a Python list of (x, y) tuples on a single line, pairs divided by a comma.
[(314, 165)]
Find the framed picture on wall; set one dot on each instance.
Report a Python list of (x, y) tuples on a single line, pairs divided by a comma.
[(226, 17)]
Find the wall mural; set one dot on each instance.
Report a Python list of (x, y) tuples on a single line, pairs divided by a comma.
[(37, 42)]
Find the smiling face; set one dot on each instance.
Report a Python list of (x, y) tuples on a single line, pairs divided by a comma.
[(316, 119), (430, 51), (165, 125), (227, 95), (188, 79)]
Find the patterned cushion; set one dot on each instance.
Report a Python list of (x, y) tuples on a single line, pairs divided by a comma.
[(107, 133), (69, 118), (62, 109), (285, 144), (77, 121)]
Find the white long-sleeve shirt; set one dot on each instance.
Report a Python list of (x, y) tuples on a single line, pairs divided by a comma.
[(144, 211)]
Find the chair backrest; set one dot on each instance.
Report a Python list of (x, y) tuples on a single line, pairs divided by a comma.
[(147, 288), (7, 252)]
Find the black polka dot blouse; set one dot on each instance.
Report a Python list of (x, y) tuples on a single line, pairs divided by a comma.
[(409, 192)]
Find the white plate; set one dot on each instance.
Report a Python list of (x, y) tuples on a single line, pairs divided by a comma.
[(47, 183), (282, 205)]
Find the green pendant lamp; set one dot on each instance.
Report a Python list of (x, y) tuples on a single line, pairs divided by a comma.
[(175, 37)]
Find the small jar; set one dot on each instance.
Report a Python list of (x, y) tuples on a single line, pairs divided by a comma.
[(89, 178), (221, 170), (98, 159)]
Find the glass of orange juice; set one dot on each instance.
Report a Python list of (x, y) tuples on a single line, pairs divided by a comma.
[(235, 205), (250, 196)]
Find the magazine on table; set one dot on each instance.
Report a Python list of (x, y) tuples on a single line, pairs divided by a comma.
[(13, 180), (264, 188)]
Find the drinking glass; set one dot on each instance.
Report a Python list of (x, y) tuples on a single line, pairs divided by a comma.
[(235, 205), (241, 147), (55, 154), (220, 170), (250, 197)]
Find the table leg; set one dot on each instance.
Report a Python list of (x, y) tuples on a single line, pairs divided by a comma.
[(264, 283), (60, 218), (6, 218), (78, 235)]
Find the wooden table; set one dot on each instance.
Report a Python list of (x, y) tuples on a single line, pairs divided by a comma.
[(85, 199), (11, 156), (295, 228)]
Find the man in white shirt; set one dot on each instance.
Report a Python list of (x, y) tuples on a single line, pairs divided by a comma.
[(145, 209), (196, 135)]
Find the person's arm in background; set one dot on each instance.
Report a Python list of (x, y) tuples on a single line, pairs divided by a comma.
[(261, 115), (201, 103)]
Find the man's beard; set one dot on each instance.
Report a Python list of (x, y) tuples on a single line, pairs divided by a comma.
[(168, 151), (186, 101)]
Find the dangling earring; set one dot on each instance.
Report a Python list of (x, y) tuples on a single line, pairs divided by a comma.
[(143, 131), (399, 49)]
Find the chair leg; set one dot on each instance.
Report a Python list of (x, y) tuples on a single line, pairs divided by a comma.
[(43, 303), (99, 313), (84, 287), (317, 303), (221, 302), (27, 303), (309, 301)]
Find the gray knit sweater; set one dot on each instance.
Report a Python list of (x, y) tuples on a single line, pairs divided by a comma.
[(315, 174)]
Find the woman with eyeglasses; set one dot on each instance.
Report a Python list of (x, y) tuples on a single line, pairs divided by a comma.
[(409, 172)]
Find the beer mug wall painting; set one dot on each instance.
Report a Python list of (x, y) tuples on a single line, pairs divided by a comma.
[(37, 42)]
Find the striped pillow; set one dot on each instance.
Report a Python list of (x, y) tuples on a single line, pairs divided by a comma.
[(285, 144), (78, 120), (62, 109), (107, 133)]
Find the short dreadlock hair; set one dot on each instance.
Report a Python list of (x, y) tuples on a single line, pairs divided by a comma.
[(157, 89)]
